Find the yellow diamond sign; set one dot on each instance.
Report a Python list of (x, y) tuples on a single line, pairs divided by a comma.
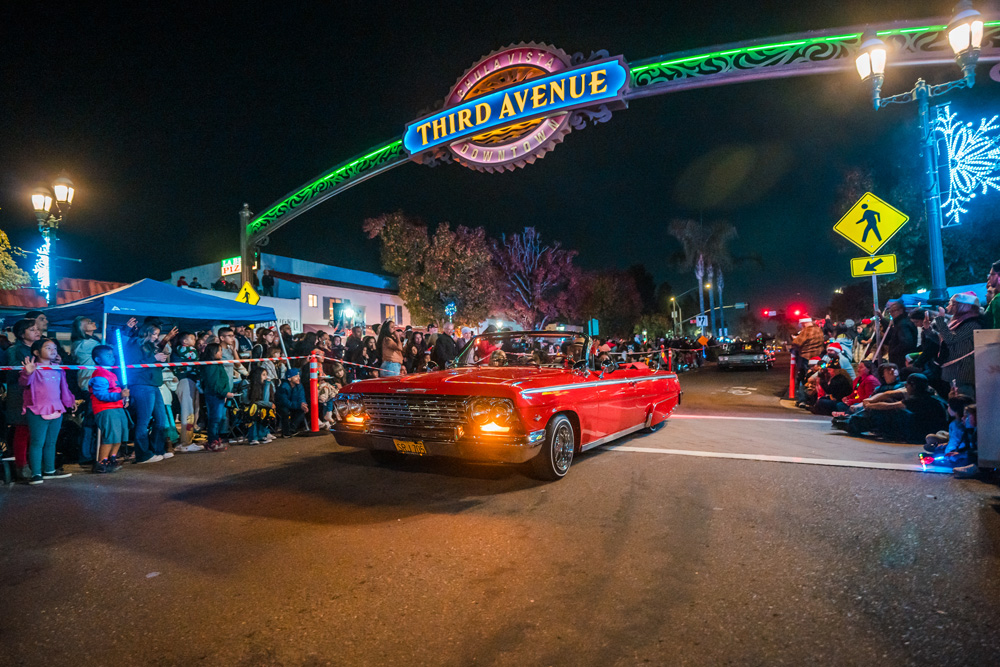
[(870, 223), (879, 265), (248, 294)]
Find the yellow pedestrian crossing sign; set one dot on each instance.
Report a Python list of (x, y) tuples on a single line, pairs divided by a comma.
[(870, 223), (877, 265), (248, 294)]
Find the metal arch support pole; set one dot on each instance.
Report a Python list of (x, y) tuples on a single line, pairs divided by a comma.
[(932, 196), (246, 250)]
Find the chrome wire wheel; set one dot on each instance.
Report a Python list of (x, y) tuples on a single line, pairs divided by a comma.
[(562, 447), (556, 456)]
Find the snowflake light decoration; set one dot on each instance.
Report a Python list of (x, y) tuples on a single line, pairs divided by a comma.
[(41, 268), (973, 161)]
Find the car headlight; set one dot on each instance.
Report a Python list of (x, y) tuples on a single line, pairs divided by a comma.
[(354, 404), (723, 358), (503, 411), (481, 410)]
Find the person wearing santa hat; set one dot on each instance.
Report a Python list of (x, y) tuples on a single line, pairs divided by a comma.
[(959, 369), (836, 351), (809, 343)]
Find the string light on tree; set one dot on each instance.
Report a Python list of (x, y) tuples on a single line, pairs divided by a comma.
[(973, 155)]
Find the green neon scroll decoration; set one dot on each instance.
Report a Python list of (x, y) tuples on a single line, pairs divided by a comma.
[(338, 179), (808, 53), (793, 55)]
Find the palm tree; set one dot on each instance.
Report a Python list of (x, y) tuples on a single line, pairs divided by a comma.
[(705, 249), (720, 283), (711, 300), (699, 274)]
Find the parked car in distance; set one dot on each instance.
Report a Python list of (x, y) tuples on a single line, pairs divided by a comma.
[(535, 398), (746, 355)]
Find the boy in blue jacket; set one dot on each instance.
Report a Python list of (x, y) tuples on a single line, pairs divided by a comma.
[(291, 403)]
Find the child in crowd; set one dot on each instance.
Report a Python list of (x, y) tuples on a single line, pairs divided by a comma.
[(276, 366), (327, 392), (291, 403), (187, 389), (107, 399), (25, 335), (259, 400), (954, 447), (46, 399), (217, 383), (971, 436)]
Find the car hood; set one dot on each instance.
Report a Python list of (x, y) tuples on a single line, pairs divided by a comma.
[(466, 381)]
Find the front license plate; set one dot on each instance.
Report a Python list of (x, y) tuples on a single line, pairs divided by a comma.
[(410, 447)]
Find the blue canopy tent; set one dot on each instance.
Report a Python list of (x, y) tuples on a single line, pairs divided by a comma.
[(186, 308), (915, 300)]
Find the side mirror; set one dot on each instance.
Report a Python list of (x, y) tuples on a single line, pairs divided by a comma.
[(580, 367), (609, 366)]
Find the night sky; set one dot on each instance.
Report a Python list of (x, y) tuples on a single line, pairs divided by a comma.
[(167, 121)]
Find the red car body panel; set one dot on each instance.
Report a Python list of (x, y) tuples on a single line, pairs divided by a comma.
[(604, 405)]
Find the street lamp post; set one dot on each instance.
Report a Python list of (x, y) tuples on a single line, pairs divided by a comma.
[(49, 220), (679, 319), (965, 36)]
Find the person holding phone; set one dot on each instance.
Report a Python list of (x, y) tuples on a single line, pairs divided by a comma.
[(956, 325)]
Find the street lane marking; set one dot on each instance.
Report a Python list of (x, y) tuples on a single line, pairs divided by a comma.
[(751, 419), (908, 467)]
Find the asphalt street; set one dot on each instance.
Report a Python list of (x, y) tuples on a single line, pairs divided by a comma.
[(301, 552)]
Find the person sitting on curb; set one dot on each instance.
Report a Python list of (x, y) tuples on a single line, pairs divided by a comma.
[(955, 443), (291, 403), (865, 386), (901, 415)]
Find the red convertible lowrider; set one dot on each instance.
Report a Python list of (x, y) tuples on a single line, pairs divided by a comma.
[(509, 397)]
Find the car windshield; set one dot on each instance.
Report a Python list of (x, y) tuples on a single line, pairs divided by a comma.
[(538, 349)]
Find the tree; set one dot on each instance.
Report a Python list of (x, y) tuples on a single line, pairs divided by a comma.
[(11, 276), (450, 266), (750, 325), (705, 249), (656, 325), (646, 285), (969, 249), (536, 283), (612, 298)]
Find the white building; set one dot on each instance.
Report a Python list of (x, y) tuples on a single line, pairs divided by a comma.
[(323, 295)]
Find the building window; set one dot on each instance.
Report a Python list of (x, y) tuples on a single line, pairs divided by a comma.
[(313, 301), (392, 312)]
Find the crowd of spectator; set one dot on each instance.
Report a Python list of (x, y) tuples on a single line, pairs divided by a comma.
[(904, 376)]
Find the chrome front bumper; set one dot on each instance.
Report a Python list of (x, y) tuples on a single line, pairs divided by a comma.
[(443, 441)]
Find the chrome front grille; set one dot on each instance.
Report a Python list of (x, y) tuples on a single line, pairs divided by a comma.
[(415, 410)]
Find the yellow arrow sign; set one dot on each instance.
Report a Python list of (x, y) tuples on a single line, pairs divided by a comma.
[(870, 223), (248, 294), (879, 265)]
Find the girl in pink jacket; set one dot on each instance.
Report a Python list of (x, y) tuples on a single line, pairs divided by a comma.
[(46, 399)]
